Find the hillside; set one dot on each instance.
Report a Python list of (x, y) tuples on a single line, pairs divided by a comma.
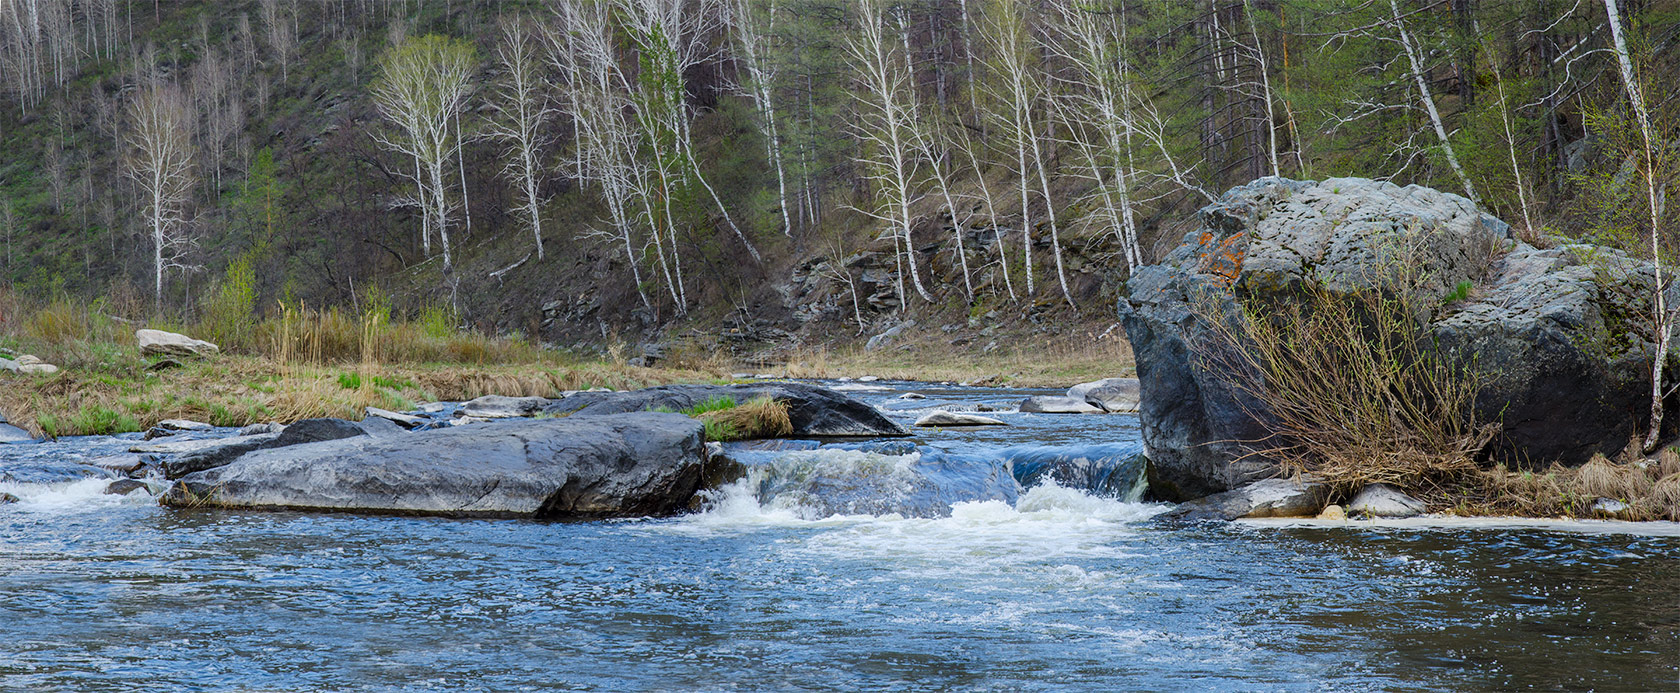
[(1098, 127)]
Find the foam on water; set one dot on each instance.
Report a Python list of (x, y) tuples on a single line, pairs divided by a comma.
[(85, 495)]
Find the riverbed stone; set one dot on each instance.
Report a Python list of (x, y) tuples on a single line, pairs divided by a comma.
[(183, 425), (1558, 333), (123, 487), (502, 407), (815, 411), (1055, 404), (951, 418), (404, 420), (6, 498), (161, 343), (588, 467), (1383, 500), (1264, 498), (1108, 394), (1335, 513)]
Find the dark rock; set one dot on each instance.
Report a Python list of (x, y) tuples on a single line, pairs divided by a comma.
[(164, 365), (123, 487), (573, 468), (886, 339), (1052, 404), (404, 420), (815, 411), (8, 498), (210, 454), (1264, 498), (1560, 334), (128, 463), (315, 431)]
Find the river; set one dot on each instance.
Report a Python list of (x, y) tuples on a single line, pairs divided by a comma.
[(1050, 586)]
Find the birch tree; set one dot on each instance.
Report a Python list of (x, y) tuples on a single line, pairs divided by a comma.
[(1652, 161), (160, 161), (422, 86), (886, 111), (1427, 99), (751, 28), (521, 115)]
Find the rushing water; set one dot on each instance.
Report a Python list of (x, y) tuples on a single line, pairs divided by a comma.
[(1040, 587)]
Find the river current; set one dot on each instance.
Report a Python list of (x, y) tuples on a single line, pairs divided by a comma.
[(851, 567)]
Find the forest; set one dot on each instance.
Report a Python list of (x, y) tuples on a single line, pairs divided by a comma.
[(565, 169)]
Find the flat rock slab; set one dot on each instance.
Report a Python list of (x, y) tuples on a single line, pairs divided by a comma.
[(404, 420), (1049, 404), (815, 411), (573, 468), (500, 407), (160, 343), (1264, 498), (176, 447), (951, 418)]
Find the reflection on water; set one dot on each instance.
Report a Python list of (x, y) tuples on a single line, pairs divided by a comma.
[(1060, 589)]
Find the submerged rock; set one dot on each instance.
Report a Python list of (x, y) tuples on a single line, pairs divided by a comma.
[(951, 418), (814, 411), (1383, 500), (573, 468), (8, 498), (836, 481), (1264, 498), (1558, 333), (1050, 404)]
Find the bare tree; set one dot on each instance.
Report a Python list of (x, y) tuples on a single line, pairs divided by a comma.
[(884, 126), (751, 27), (1427, 98), (160, 160), (421, 87), (521, 117), (280, 28)]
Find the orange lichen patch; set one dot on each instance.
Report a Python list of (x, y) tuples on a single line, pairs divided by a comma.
[(1222, 258)]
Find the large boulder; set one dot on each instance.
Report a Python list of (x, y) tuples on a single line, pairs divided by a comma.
[(211, 454), (1112, 395), (160, 343), (1557, 333), (814, 411), (502, 407), (574, 468)]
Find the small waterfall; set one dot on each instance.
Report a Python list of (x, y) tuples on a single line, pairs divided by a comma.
[(1114, 470), (857, 480)]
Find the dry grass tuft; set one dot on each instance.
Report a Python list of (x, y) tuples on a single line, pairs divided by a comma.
[(1567, 492), (760, 417)]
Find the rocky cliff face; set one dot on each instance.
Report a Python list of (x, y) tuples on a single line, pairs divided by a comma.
[(1562, 335)]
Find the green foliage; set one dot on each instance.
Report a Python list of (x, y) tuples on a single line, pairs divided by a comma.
[(1459, 292), (90, 420), (350, 381)]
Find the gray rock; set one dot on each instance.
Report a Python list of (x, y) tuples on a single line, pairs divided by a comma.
[(500, 407), (8, 365), (1382, 500), (1611, 508), (29, 360), (404, 420), (261, 428), (433, 407), (160, 343), (183, 425), (199, 455), (1109, 394), (814, 411), (869, 379), (179, 447), (573, 468), (1050, 404), (128, 463), (380, 427), (951, 418), (1546, 326), (37, 369), (1264, 498), (885, 339)]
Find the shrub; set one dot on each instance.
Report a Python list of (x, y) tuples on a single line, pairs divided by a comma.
[(1352, 384)]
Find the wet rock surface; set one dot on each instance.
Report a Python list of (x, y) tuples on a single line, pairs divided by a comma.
[(575, 468), (815, 411)]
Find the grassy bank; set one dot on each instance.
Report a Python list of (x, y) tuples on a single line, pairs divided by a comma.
[(1027, 361), (294, 364)]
